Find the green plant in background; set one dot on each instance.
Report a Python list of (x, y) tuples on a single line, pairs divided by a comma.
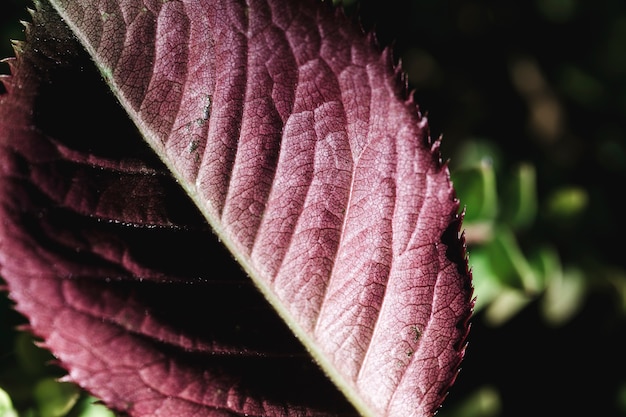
[(30, 386), (501, 205)]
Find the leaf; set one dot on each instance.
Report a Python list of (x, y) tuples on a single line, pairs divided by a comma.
[(292, 134)]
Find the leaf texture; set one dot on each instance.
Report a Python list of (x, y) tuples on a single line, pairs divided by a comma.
[(294, 136), (117, 271)]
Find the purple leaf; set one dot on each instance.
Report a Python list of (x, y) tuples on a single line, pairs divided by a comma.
[(285, 130)]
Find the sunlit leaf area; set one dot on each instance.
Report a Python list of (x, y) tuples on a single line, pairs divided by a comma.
[(529, 98)]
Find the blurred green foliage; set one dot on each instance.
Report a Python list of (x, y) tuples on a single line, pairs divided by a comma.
[(530, 97), (30, 384), (506, 278)]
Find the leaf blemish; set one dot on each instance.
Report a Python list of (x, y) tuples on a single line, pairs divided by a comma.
[(415, 333), (193, 146), (207, 108), (206, 112), (106, 16)]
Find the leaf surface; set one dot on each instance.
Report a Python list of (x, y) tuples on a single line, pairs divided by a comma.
[(291, 132)]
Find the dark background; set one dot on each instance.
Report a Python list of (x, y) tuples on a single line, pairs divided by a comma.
[(472, 64)]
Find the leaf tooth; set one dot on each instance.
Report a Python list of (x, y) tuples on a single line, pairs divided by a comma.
[(435, 151), (28, 26), (7, 83), (67, 378), (372, 38), (25, 328), (41, 344), (33, 11), (402, 77), (10, 61), (18, 46), (386, 57)]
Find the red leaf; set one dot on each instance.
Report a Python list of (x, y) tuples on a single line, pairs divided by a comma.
[(291, 132)]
